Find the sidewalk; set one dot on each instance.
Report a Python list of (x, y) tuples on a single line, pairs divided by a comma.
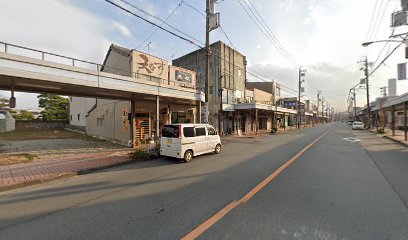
[(19, 175), (399, 135)]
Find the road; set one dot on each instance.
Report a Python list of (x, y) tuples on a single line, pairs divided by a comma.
[(337, 188)]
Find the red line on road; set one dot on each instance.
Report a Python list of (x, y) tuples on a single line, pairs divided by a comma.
[(200, 229)]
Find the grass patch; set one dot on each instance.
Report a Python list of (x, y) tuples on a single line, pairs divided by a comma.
[(16, 159), (19, 135)]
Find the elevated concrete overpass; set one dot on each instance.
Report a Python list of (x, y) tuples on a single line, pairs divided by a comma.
[(23, 72), (28, 74)]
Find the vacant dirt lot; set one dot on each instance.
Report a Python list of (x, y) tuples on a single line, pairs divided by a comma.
[(24, 146)]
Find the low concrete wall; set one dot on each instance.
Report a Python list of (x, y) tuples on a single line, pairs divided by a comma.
[(7, 125), (76, 128), (38, 125)]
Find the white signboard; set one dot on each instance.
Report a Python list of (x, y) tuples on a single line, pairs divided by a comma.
[(148, 65), (402, 71)]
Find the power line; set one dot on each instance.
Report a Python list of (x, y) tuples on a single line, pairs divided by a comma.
[(165, 20), (377, 27), (285, 88), (266, 26), (268, 36), (221, 28), (151, 15), (267, 31), (229, 40), (371, 21), (194, 8), (385, 59)]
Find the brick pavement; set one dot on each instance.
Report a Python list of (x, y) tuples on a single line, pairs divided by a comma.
[(48, 169)]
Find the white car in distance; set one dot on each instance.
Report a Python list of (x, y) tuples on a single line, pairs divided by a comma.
[(358, 125)]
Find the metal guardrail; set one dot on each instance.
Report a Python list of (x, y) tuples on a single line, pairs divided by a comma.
[(98, 67)]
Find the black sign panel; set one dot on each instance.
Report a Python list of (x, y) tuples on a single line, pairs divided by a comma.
[(184, 76)]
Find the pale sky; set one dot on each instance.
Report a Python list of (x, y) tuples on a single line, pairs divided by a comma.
[(324, 36)]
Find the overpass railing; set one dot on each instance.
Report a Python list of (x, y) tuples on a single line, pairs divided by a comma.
[(75, 62)]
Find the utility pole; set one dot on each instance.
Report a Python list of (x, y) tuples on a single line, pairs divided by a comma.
[(322, 109), (368, 92), (318, 102), (207, 59), (298, 109), (301, 75), (212, 22), (355, 101)]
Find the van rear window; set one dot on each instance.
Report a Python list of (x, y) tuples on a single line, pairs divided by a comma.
[(170, 131)]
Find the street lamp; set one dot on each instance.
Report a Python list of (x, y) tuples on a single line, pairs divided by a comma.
[(366, 44)]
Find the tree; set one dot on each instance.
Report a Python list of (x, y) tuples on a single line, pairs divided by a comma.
[(55, 107), (24, 115), (5, 104)]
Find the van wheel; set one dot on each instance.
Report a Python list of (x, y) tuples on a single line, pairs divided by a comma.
[(218, 149), (188, 155)]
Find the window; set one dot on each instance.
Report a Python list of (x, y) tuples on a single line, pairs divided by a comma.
[(200, 131), (188, 132), (99, 122), (211, 131), (70, 117), (170, 131), (210, 90), (79, 116)]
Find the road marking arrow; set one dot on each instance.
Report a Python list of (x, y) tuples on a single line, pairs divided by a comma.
[(351, 139)]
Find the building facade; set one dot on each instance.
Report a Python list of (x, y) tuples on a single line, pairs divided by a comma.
[(112, 118), (226, 84), (78, 111)]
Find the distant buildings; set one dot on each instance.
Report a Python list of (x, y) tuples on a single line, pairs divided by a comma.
[(110, 118), (235, 106), (227, 80)]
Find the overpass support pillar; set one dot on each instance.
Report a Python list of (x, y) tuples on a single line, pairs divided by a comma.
[(157, 118), (132, 123), (405, 121), (393, 120)]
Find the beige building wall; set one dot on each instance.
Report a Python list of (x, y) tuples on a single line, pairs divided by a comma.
[(109, 120), (262, 97), (118, 61), (227, 71), (78, 110)]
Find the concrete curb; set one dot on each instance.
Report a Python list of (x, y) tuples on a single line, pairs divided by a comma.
[(395, 140), (95, 169)]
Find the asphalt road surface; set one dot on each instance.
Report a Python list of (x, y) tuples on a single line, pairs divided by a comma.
[(346, 185)]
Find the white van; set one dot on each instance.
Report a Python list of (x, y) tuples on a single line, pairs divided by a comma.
[(187, 140)]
